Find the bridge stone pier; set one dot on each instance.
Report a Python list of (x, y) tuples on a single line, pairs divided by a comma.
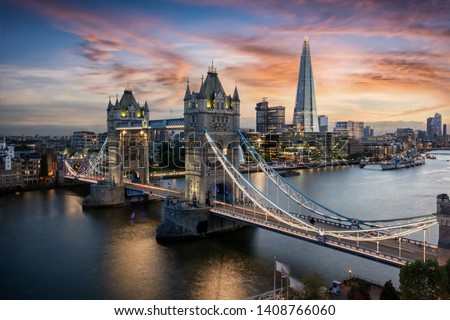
[(443, 217)]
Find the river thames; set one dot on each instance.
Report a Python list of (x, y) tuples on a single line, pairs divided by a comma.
[(50, 248)]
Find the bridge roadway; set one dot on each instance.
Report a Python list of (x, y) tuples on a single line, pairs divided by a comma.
[(154, 190), (151, 189), (88, 179), (387, 251), (390, 251)]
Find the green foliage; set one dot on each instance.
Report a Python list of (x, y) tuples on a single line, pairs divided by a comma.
[(388, 292), (359, 290), (447, 272), (313, 284), (423, 281)]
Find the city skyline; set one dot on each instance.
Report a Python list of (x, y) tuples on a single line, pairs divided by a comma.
[(60, 61)]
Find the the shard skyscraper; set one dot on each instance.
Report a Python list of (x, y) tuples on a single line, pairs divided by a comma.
[(305, 112)]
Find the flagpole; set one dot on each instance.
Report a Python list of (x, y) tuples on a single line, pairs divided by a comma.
[(281, 288), (274, 273), (287, 288)]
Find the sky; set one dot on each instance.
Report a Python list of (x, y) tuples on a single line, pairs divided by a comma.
[(374, 61)]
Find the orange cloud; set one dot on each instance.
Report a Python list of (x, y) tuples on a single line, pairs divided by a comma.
[(366, 64)]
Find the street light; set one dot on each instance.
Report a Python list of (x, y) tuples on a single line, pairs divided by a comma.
[(349, 273)]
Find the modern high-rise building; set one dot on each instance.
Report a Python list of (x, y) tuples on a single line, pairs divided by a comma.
[(368, 131), (269, 119), (323, 124), (6, 156), (434, 125), (261, 115), (353, 129), (429, 125), (305, 112)]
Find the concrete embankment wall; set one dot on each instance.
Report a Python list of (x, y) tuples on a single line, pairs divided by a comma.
[(189, 222), (102, 196)]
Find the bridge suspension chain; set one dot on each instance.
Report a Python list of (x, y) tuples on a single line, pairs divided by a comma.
[(314, 207), (90, 172), (356, 234), (252, 193)]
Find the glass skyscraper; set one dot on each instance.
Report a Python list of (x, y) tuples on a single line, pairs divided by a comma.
[(305, 112), (434, 125)]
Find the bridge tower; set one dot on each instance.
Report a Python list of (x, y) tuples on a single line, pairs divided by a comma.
[(443, 217), (212, 109), (127, 124)]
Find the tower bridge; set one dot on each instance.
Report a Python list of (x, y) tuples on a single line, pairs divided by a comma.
[(219, 198)]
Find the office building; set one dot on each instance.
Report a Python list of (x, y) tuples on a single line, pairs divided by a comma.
[(269, 119), (434, 126), (368, 131), (323, 124), (353, 129)]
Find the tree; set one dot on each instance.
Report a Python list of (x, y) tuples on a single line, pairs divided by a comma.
[(423, 281), (359, 290), (446, 268), (313, 284), (388, 292)]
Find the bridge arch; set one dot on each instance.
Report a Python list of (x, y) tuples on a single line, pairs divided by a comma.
[(220, 191), (80, 167), (132, 175)]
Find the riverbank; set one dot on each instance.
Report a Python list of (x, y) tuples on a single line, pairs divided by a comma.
[(40, 186), (181, 174), (302, 166)]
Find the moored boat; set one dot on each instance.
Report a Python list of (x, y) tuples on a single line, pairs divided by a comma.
[(398, 162)]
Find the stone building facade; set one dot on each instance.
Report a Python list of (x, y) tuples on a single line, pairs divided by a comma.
[(212, 109)]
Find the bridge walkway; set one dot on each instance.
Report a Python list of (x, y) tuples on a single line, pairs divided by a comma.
[(392, 251), (154, 190)]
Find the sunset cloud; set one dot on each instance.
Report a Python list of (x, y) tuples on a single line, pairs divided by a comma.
[(371, 59)]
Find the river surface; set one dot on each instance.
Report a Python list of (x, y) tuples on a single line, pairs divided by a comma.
[(50, 248)]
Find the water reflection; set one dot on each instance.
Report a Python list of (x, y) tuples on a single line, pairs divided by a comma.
[(53, 249)]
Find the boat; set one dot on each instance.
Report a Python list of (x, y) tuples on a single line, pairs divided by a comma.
[(289, 173), (407, 160), (371, 166), (402, 163)]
